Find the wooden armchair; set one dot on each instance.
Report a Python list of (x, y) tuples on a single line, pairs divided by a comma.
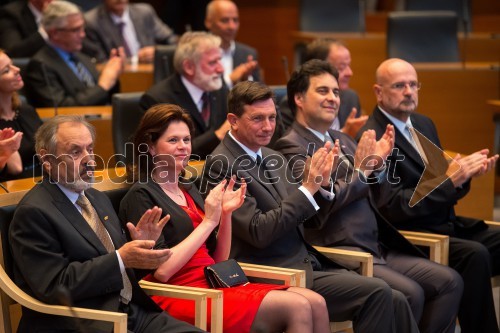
[(289, 277)]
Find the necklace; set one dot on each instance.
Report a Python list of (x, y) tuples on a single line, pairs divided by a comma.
[(178, 193)]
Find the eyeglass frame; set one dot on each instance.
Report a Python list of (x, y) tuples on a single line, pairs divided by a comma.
[(400, 86)]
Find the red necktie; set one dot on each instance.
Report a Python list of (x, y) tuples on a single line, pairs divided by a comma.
[(205, 108)]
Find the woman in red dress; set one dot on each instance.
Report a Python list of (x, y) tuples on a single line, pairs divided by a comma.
[(199, 233)]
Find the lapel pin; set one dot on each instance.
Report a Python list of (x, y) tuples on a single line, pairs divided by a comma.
[(106, 218)]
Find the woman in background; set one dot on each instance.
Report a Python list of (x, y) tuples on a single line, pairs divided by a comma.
[(18, 124)]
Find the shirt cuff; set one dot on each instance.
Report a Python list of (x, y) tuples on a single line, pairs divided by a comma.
[(327, 193), (309, 197), (120, 262)]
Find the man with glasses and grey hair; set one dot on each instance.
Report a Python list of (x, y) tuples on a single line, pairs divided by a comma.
[(424, 201), (59, 74)]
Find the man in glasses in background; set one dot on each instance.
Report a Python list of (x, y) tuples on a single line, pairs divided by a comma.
[(59, 74), (426, 187)]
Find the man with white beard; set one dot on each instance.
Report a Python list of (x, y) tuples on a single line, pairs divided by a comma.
[(196, 86)]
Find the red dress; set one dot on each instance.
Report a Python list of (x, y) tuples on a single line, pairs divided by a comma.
[(240, 303)]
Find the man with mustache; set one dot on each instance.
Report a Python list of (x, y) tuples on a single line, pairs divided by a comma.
[(66, 236), (474, 246), (196, 86)]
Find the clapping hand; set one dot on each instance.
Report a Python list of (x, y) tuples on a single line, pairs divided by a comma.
[(231, 199)]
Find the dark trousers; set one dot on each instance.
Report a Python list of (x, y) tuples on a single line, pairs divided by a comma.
[(477, 257)]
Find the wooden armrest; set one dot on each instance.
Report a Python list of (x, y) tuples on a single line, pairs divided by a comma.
[(199, 295), (290, 277), (119, 320), (364, 258), (493, 223), (438, 244)]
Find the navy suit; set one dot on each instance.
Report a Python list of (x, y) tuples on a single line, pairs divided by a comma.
[(474, 247)]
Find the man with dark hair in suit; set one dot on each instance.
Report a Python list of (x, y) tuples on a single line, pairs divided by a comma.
[(353, 222), (21, 31), (239, 60), (59, 74), (66, 236), (349, 119), (268, 227), (196, 86), (134, 26), (425, 188)]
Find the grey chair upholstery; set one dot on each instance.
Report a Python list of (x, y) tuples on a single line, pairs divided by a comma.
[(461, 7), (332, 15), (163, 62), (423, 36), (126, 117)]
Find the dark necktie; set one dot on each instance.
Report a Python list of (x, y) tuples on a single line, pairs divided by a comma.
[(205, 108), (82, 72), (126, 47), (90, 215)]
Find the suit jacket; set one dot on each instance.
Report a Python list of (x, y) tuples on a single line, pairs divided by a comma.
[(101, 30), (19, 35), (352, 222), (268, 227), (172, 90), (143, 196), (348, 99), (240, 55), (50, 82), (52, 246), (436, 211)]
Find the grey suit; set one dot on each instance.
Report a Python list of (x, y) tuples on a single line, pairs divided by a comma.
[(240, 56), (149, 28), (268, 230), (172, 90), (354, 223), (50, 81), (474, 248), (52, 245)]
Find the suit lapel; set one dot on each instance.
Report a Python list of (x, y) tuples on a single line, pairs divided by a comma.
[(73, 216), (29, 25), (185, 98), (114, 37), (114, 230), (244, 164), (401, 142)]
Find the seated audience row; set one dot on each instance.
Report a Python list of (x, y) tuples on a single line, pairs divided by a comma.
[(272, 210)]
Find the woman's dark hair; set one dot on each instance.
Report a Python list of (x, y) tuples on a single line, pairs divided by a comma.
[(153, 124)]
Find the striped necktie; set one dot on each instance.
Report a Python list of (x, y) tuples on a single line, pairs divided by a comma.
[(82, 72), (90, 215)]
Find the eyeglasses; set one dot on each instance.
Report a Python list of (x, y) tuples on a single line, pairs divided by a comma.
[(400, 86)]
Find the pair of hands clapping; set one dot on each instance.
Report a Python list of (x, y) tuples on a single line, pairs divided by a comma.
[(224, 199)]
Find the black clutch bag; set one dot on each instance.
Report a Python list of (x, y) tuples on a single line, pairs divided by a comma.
[(225, 274)]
